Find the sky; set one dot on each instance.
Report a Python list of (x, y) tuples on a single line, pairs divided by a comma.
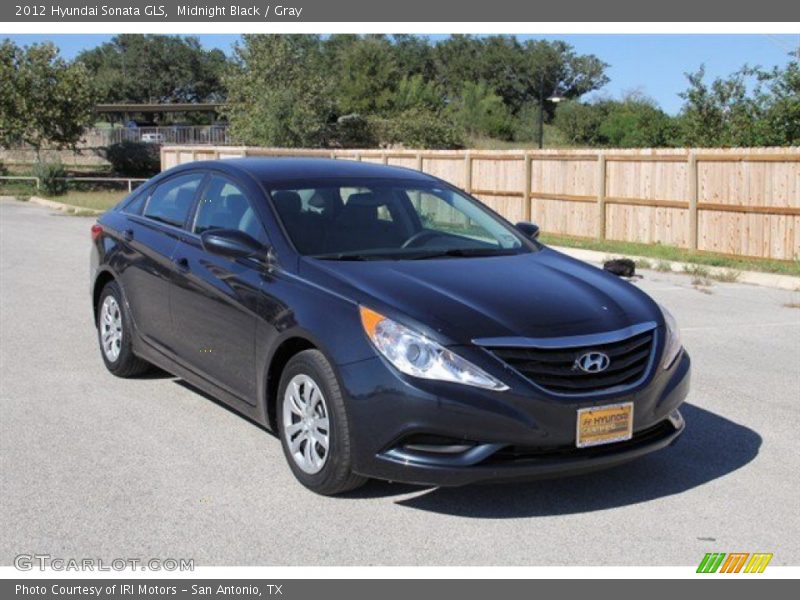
[(652, 64)]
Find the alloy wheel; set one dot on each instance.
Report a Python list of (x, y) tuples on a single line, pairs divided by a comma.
[(111, 328), (306, 424)]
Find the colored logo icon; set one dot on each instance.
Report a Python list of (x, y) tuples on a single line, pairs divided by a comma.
[(735, 562)]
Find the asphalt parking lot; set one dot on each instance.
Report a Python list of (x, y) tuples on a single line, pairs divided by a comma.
[(95, 466)]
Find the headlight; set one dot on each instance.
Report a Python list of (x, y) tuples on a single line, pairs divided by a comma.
[(673, 344), (414, 354)]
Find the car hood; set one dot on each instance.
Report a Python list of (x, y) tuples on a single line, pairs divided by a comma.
[(538, 294)]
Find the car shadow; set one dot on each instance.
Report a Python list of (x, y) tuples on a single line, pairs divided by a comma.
[(711, 447), (155, 373)]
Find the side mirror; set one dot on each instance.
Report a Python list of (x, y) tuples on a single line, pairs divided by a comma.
[(231, 243), (529, 229)]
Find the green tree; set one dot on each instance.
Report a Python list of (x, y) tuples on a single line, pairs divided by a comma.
[(751, 107), (416, 92), (44, 101), (279, 93), (155, 68), (719, 114), (414, 56), (781, 100), (479, 111), (517, 72), (367, 73)]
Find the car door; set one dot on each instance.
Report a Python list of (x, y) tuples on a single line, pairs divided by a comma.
[(216, 299), (151, 236)]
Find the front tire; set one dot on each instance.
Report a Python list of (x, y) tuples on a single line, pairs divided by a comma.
[(313, 426), (114, 332)]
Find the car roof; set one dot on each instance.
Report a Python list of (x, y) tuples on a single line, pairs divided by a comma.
[(288, 169)]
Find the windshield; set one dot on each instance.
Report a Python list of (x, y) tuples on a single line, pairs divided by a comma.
[(390, 220)]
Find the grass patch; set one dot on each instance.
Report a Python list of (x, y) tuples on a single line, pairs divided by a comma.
[(643, 263), (670, 253), (697, 271), (726, 276), (17, 189), (663, 266), (95, 200)]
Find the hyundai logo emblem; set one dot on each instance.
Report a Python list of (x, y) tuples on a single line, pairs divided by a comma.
[(592, 362)]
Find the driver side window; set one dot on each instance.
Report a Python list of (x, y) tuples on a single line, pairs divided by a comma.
[(223, 205)]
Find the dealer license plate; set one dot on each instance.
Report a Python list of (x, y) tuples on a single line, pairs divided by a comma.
[(604, 424)]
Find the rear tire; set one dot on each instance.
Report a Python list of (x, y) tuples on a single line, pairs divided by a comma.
[(313, 426), (115, 332)]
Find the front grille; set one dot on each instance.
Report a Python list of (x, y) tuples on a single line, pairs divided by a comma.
[(555, 369)]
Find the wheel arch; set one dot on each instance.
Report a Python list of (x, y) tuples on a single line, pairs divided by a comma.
[(283, 353), (101, 281)]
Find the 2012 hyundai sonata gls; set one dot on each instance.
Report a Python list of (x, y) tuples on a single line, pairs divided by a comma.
[(383, 323)]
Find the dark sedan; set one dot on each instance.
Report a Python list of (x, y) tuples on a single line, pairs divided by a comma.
[(383, 323)]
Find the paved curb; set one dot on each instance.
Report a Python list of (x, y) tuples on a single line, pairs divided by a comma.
[(68, 208), (772, 280)]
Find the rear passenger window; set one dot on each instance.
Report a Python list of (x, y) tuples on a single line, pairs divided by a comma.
[(223, 205), (135, 204), (172, 200)]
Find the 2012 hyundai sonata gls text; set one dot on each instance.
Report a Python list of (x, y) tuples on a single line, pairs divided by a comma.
[(383, 323)]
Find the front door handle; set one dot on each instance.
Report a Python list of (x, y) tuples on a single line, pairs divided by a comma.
[(182, 264)]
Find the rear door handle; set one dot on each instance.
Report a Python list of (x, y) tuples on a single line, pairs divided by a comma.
[(182, 264), (128, 235)]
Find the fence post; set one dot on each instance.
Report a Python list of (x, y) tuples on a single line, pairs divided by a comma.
[(385, 157), (130, 186), (601, 196), (527, 208), (419, 161), (691, 177), (468, 172)]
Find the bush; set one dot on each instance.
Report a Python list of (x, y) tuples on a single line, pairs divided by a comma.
[(51, 177), (580, 123), (354, 131), (134, 159), (418, 128)]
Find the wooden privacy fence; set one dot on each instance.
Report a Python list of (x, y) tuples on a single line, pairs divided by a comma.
[(742, 202)]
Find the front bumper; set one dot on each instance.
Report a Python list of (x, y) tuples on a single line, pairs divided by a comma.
[(523, 433)]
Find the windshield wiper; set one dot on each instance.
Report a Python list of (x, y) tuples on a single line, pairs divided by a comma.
[(463, 252)]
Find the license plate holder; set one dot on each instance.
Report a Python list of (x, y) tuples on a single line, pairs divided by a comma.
[(598, 425)]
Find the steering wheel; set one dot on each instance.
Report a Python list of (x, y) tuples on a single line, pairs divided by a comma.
[(416, 239)]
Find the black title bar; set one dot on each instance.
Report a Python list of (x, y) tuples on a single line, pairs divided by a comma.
[(472, 11)]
